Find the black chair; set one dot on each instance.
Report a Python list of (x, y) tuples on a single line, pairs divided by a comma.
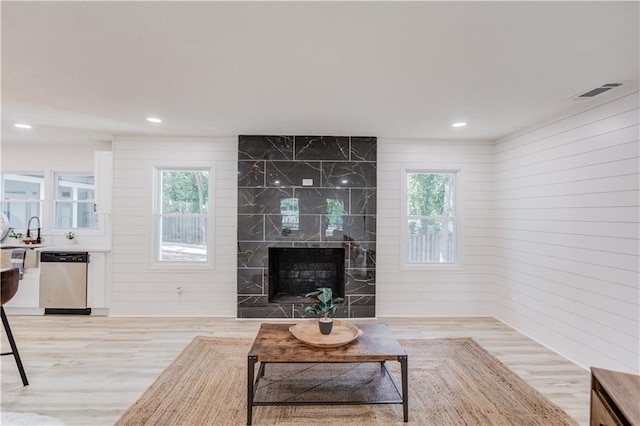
[(10, 283)]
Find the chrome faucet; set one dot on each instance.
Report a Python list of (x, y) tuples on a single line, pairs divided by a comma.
[(38, 239)]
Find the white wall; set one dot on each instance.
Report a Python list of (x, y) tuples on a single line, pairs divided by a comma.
[(466, 290), (567, 235), (78, 158), (138, 289)]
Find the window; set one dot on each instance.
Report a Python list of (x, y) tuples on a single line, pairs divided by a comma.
[(22, 197), (431, 217), (74, 201), (181, 215)]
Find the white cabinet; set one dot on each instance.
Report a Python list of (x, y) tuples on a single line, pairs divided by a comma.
[(98, 298), (97, 291), (28, 295)]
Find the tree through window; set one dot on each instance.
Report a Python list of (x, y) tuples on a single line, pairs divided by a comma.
[(431, 217), (182, 215)]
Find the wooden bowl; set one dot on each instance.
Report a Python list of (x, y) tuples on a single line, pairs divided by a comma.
[(308, 332)]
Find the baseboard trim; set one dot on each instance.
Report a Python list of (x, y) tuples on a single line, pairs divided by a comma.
[(67, 311), (543, 344)]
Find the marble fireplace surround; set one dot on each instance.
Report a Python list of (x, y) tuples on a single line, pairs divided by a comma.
[(306, 192)]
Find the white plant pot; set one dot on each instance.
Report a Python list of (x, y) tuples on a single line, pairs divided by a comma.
[(72, 241)]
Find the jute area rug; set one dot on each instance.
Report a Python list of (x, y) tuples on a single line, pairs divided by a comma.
[(451, 382)]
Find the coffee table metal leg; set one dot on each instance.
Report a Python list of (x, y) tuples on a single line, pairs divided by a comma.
[(251, 363), (405, 386)]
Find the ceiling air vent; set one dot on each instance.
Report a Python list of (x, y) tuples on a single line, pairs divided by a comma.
[(594, 92)]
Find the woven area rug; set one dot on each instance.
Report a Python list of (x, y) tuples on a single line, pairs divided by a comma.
[(451, 382)]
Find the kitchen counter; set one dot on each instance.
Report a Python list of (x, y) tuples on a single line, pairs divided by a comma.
[(57, 247), (73, 247), (14, 245)]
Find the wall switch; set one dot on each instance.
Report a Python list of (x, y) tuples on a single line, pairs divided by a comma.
[(307, 182)]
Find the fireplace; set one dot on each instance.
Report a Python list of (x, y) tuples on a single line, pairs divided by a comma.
[(304, 193), (294, 272)]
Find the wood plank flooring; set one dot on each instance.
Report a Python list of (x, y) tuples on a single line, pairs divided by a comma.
[(88, 370)]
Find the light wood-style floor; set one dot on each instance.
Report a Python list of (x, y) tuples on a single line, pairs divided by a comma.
[(89, 370)]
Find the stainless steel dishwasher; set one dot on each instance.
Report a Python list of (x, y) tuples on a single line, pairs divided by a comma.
[(63, 282)]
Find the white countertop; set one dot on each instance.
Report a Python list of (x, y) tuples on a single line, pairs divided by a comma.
[(73, 247), (58, 247)]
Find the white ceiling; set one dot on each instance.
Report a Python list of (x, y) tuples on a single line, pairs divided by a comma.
[(85, 71)]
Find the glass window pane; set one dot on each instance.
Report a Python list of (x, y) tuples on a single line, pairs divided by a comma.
[(185, 191), (183, 238), (85, 194), (22, 195), (431, 240), (87, 218), (71, 214), (74, 201), (20, 212), (65, 193), (75, 180), (23, 186), (182, 213), (430, 194), (431, 217)]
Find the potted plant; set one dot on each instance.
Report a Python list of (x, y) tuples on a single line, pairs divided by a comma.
[(71, 237), (325, 306), (16, 236)]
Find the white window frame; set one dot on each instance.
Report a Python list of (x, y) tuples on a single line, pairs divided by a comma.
[(184, 266), (92, 202), (404, 218)]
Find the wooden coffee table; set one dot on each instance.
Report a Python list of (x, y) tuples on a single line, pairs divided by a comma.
[(275, 344)]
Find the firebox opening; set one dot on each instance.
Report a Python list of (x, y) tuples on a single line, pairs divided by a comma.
[(294, 272)]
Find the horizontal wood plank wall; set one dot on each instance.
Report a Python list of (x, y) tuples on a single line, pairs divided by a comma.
[(137, 288), (466, 290), (567, 235)]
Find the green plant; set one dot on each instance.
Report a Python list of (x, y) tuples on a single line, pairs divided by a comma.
[(324, 303), (16, 235), (69, 235)]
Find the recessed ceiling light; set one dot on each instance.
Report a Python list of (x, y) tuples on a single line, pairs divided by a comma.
[(345, 181), (459, 124), (154, 120), (22, 126)]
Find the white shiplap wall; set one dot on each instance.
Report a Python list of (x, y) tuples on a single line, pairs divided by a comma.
[(463, 290), (567, 235), (141, 290)]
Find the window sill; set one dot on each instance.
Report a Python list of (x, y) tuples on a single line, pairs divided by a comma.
[(182, 267), (431, 267)]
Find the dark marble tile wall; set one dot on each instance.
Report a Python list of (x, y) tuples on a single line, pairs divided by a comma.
[(275, 170)]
